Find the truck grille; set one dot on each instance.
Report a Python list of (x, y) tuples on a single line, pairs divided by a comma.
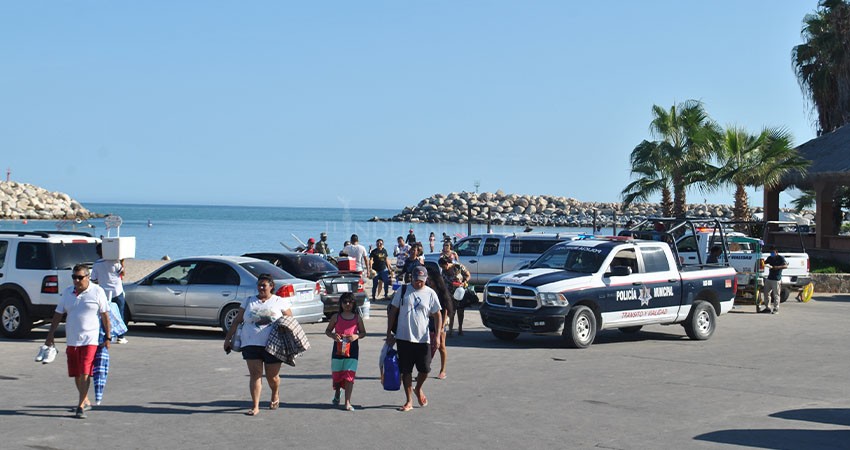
[(511, 296)]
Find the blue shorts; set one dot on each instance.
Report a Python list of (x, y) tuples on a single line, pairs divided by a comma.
[(254, 352)]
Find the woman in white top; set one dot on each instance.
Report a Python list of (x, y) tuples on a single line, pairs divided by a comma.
[(257, 314)]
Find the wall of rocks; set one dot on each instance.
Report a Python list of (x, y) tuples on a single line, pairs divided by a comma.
[(514, 209), (831, 282), (27, 201)]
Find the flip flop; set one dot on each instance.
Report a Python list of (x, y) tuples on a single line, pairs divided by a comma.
[(274, 404), (251, 412), (441, 376), (335, 400), (349, 408), (405, 408), (423, 401)]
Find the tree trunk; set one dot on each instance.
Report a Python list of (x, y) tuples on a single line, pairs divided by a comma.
[(666, 202), (679, 197), (742, 206)]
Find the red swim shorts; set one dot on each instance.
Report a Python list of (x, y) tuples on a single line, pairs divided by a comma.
[(81, 360)]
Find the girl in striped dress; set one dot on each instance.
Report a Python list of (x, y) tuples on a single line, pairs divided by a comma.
[(346, 329)]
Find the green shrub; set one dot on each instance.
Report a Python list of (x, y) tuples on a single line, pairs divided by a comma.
[(828, 266)]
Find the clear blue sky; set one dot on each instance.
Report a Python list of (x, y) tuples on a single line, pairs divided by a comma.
[(241, 103)]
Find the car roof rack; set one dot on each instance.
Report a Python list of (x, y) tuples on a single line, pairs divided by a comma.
[(45, 234)]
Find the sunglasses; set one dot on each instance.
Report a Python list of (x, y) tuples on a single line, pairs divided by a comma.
[(78, 277), (347, 303)]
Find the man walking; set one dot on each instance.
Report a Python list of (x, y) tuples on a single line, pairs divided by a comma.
[(358, 252), (409, 312), (773, 283), (107, 274), (378, 259), (86, 307)]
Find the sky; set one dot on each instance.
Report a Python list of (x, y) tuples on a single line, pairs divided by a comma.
[(373, 104)]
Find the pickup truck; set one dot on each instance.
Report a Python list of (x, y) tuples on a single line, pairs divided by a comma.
[(580, 287), (488, 255), (693, 248)]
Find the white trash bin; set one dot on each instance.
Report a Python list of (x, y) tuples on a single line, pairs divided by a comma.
[(364, 310)]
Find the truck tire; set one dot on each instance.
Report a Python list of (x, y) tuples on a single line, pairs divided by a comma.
[(227, 316), (505, 335), (784, 293), (580, 328), (701, 322), (631, 330), (15, 321)]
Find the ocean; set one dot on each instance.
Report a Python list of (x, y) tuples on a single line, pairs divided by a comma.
[(191, 230)]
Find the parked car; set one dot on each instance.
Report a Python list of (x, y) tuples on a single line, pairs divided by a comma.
[(35, 267), (208, 290), (332, 282), (488, 255)]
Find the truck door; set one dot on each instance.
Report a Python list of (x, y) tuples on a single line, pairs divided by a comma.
[(490, 263), (688, 247), (467, 252), (651, 294)]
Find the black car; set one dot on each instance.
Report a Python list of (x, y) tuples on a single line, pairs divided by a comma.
[(333, 283)]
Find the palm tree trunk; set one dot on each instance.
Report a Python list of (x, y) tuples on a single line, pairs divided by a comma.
[(742, 206), (666, 202), (679, 196)]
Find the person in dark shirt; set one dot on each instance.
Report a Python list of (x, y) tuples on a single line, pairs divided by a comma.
[(411, 238), (714, 255), (773, 283), (381, 268)]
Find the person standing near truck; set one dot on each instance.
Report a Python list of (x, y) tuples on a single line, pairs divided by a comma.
[(773, 283)]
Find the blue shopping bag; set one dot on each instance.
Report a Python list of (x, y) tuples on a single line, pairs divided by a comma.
[(116, 325), (391, 377)]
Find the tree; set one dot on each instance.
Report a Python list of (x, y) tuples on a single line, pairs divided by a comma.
[(756, 161), (822, 63), (677, 159)]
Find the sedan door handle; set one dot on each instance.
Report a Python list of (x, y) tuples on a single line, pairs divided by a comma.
[(177, 292), (473, 261), (226, 293)]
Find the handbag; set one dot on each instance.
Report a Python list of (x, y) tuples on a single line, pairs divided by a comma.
[(390, 376), (236, 340), (117, 327)]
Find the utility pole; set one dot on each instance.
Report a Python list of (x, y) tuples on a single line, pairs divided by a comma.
[(477, 184), (8, 174)]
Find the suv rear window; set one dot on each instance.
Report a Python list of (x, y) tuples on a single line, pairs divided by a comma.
[(531, 246), (47, 256)]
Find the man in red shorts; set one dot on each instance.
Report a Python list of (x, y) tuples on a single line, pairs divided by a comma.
[(86, 307)]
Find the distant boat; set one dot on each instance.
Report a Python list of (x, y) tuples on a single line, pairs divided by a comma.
[(150, 224)]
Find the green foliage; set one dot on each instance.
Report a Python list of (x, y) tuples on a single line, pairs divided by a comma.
[(828, 266)]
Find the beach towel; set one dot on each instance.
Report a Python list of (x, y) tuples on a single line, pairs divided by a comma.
[(101, 371), (287, 340)]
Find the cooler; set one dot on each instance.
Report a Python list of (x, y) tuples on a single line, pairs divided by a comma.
[(119, 247), (346, 264)]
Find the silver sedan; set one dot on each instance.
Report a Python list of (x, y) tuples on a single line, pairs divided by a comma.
[(208, 291)]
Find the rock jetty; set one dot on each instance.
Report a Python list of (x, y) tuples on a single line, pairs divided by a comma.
[(542, 210), (27, 201)]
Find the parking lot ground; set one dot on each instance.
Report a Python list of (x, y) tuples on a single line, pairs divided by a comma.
[(762, 381)]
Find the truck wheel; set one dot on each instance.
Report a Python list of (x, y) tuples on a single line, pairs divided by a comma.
[(784, 293), (631, 330), (505, 335), (701, 322), (228, 316), (15, 321), (580, 329)]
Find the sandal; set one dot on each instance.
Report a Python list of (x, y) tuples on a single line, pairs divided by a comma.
[(335, 400), (405, 408), (441, 376), (349, 408), (252, 412), (274, 404)]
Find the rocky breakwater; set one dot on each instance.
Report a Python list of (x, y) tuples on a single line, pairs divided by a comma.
[(514, 209), (26, 201)]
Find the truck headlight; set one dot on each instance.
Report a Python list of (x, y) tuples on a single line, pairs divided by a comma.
[(552, 299)]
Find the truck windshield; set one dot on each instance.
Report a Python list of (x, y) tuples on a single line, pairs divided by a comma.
[(572, 258)]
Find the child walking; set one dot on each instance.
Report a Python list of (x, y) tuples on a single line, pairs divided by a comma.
[(346, 329)]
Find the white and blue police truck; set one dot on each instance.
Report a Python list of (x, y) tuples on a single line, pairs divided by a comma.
[(579, 287)]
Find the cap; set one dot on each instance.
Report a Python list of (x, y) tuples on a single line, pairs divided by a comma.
[(411, 230), (420, 273), (323, 234), (311, 241)]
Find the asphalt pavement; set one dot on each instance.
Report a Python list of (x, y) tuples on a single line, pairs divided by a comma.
[(762, 381)]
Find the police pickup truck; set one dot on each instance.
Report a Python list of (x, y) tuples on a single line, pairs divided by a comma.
[(579, 287)]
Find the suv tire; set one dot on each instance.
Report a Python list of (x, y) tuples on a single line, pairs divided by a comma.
[(702, 321), (15, 321), (580, 327)]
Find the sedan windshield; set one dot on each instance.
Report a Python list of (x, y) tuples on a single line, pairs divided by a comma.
[(258, 268), (572, 258)]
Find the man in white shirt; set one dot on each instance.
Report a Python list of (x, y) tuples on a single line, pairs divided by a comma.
[(359, 253), (410, 310), (86, 307), (107, 274)]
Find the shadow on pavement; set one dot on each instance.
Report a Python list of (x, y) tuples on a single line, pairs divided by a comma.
[(213, 407), (485, 339), (791, 438), (836, 416)]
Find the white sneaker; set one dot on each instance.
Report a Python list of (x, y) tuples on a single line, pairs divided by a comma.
[(50, 355), (42, 352), (122, 340)]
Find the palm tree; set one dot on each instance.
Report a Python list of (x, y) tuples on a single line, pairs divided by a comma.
[(653, 177), (822, 63), (678, 158), (756, 161)]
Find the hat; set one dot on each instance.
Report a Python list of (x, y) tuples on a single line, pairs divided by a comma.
[(311, 241), (323, 234), (419, 273), (411, 230)]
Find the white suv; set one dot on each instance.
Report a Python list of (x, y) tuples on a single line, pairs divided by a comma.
[(35, 267)]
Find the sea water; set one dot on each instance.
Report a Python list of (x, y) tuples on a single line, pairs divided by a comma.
[(179, 231)]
